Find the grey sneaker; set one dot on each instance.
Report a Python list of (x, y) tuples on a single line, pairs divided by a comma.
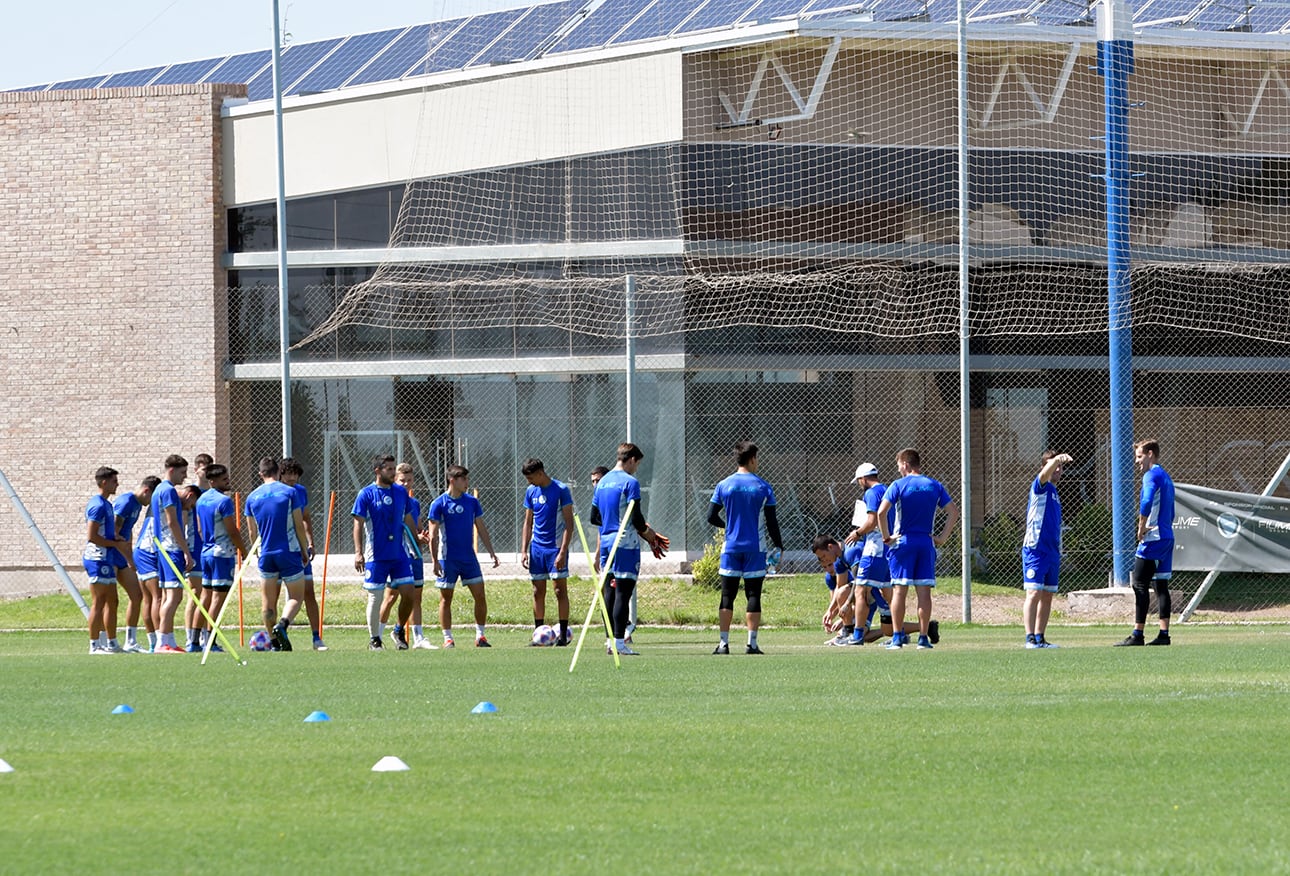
[(722, 648)]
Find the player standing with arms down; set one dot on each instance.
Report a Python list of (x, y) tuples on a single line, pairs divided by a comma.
[(912, 557), (167, 527), (194, 622), (290, 471), (273, 510), (104, 554), (221, 544), (127, 508), (380, 512), (454, 518), (609, 507), (1041, 550), (1153, 562), (413, 542), (544, 551), (744, 497)]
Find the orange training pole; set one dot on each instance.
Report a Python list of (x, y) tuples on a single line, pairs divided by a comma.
[(322, 602)]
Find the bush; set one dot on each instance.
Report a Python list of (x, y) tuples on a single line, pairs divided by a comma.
[(707, 568), (1000, 542)]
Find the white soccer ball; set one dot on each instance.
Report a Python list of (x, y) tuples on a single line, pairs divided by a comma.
[(260, 640), (545, 636)]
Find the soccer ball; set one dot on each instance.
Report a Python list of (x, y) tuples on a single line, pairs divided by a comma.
[(260, 640), (545, 636)]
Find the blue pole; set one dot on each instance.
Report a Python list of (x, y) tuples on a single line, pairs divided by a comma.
[(1115, 63)]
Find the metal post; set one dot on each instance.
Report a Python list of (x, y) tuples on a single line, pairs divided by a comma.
[(1115, 63), (44, 545), (630, 305), (965, 372), (284, 330)]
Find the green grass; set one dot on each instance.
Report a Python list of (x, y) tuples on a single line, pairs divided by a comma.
[(978, 757)]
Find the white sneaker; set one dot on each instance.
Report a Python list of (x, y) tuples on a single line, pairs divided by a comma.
[(133, 648), (626, 651), (95, 649), (425, 645), (114, 647)]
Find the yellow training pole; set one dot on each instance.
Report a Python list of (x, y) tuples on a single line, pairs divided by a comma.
[(183, 579), (600, 582), (237, 582), (596, 598)]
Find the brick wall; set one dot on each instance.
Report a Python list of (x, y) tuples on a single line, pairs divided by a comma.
[(112, 313)]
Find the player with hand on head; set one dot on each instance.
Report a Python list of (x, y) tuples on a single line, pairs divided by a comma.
[(455, 517), (128, 507), (1153, 559), (221, 544), (381, 513), (544, 549), (1041, 549), (104, 554), (745, 498), (290, 471), (273, 510), (614, 493), (167, 527), (912, 556)]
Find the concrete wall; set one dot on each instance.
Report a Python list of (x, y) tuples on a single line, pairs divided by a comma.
[(112, 306)]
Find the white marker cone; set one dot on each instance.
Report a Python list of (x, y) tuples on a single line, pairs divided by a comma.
[(390, 764), (4, 767)]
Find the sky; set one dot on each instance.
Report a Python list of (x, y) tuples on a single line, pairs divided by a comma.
[(83, 37)]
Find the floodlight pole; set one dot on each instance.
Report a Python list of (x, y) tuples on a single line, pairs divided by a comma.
[(284, 327), (965, 368), (1115, 64)]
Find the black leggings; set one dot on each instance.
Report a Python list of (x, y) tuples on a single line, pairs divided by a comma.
[(1144, 575), (618, 601)]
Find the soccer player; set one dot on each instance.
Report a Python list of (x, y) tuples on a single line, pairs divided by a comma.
[(167, 528), (872, 568), (194, 622), (290, 471), (454, 518), (745, 498), (1041, 549), (544, 551), (414, 541), (104, 554), (127, 508), (221, 544), (273, 510), (382, 513), (857, 596), (609, 505), (912, 558), (1153, 560)]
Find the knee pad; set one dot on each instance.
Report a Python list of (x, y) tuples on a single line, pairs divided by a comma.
[(753, 590), (729, 590)]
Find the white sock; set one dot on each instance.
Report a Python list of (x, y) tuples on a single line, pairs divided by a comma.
[(479, 630), (131, 635), (417, 632), (103, 639), (152, 641), (620, 644), (374, 626), (752, 637), (447, 634), (725, 637)]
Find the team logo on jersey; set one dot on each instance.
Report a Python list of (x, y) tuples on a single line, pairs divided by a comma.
[(386, 500), (105, 570), (541, 500), (455, 509)]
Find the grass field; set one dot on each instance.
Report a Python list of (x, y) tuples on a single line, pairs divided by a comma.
[(977, 757)]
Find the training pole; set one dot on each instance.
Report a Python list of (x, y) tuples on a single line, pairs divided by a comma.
[(183, 579), (600, 583), (237, 521), (322, 601), (237, 582), (596, 600)]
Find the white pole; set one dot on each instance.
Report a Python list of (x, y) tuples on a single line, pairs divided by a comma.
[(631, 350), (284, 330), (965, 373), (44, 545)]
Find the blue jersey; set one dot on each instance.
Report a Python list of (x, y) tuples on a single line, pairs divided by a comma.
[(191, 532), (845, 566), (1044, 520), (456, 519), (99, 510), (271, 506), (127, 508), (165, 496), (213, 509), (410, 546), (612, 494), (382, 510), (915, 499), (743, 495), (873, 546), (547, 504), (1157, 504)]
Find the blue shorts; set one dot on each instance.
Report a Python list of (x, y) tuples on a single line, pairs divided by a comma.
[(281, 565), (913, 561), (217, 572), (309, 570), (418, 568), (387, 573), (542, 564), (145, 563), (104, 571), (1162, 551), (466, 570), (874, 572), (749, 565), (1039, 570), (167, 569), (627, 562)]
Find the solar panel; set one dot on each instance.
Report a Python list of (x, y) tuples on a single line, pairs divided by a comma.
[(1269, 17), (523, 39), (455, 52), (769, 10), (990, 10), (1063, 12), (942, 11), (41, 87), (840, 7), (600, 26), (70, 84), (717, 13), (187, 73), (131, 78), (1218, 16), (898, 10), (296, 62), (406, 52), (344, 62), (658, 21), (1164, 11), (240, 68)]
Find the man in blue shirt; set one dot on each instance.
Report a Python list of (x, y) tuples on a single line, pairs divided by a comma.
[(290, 471), (1041, 548), (167, 528), (104, 554), (455, 517), (1153, 560), (848, 580), (912, 558), (544, 548), (221, 544), (273, 510), (381, 515), (744, 497), (127, 508), (615, 491)]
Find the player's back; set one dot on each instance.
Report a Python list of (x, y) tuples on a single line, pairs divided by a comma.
[(1158, 504), (611, 498), (743, 495), (915, 498), (271, 505)]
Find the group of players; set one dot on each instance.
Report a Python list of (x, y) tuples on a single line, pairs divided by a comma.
[(190, 536)]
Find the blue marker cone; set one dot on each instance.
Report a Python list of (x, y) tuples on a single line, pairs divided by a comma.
[(315, 717), (123, 709), (484, 708)]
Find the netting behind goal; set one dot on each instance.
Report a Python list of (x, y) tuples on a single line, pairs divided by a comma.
[(773, 230)]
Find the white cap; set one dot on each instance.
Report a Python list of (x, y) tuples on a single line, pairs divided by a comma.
[(866, 470)]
